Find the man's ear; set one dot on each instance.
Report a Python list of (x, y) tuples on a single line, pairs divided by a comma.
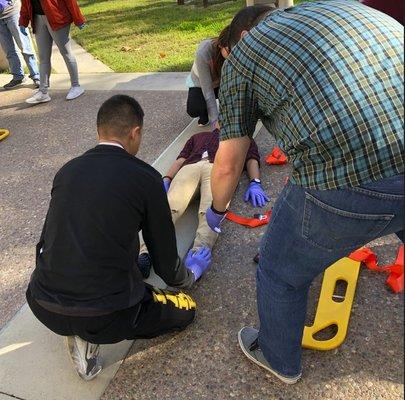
[(243, 34), (135, 131)]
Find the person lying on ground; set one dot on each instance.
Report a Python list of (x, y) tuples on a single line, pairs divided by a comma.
[(86, 284), (189, 175)]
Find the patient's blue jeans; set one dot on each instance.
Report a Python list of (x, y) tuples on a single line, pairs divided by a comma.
[(309, 230)]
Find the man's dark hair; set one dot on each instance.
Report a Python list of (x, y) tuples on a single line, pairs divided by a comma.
[(245, 20), (118, 115)]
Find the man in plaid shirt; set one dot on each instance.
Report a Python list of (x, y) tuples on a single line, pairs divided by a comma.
[(326, 79)]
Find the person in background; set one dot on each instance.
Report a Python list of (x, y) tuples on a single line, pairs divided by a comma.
[(10, 36), (190, 174), (334, 102), (86, 284), (50, 22), (204, 78)]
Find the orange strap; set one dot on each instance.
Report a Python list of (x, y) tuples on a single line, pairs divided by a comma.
[(276, 157), (261, 219), (395, 278)]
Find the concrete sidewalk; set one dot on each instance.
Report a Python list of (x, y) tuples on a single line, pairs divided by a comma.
[(156, 81), (85, 61)]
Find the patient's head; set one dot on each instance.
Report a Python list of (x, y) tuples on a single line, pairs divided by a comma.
[(120, 119)]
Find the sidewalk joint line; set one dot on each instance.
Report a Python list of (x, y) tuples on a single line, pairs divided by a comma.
[(11, 395)]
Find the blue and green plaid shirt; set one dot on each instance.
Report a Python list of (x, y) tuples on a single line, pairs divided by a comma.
[(326, 79)]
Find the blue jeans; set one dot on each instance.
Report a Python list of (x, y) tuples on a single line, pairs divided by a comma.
[(9, 29), (309, 230)]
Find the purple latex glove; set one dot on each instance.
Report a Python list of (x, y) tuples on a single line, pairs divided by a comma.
[(166, 183), (198, 262), (256, 195), (23, 30), (214, 219)]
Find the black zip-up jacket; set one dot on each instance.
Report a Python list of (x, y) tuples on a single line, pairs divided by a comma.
[(86, 260)]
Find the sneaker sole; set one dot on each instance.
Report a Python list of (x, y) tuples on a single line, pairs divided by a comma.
[(90, 378), (69, 345), (13, 87), (288, 381), (72, 98), (38, 102)]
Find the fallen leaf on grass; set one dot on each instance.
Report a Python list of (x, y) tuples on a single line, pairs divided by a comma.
[(126, 48), (162, 55)]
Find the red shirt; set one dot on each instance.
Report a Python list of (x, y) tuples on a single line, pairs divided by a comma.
[(209, 142), (59, 13)]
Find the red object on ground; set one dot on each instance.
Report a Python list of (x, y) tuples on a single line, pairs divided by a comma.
[(395, 278), (261, 219), (276, 157)]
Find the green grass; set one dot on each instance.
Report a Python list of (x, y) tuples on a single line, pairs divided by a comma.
[(158, 35)]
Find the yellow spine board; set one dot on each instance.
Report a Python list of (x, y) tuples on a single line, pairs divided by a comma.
[(4, 133), (331, 312)]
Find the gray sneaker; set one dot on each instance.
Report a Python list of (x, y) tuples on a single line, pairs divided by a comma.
[(85, 357), (248, 342)]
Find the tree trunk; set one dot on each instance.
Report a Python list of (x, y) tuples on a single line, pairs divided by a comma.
[(205, 3), (180, 2)]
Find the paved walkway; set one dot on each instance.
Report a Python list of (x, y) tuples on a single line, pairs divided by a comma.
[(204, 361), (86, 62), (156, 81)]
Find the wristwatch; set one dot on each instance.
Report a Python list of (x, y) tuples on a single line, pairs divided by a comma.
[(256, 180)]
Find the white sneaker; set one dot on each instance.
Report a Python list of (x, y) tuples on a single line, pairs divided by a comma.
[(38, 97), (74, 92), (85, 357)]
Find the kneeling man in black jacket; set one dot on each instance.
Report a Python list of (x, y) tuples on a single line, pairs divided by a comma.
[(86, 284)]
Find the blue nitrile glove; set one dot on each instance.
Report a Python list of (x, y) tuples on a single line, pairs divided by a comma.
[(81, 26), (256, 195), (166, 183), (3, 4), (198, 262), (214, 219), (23, 30)]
